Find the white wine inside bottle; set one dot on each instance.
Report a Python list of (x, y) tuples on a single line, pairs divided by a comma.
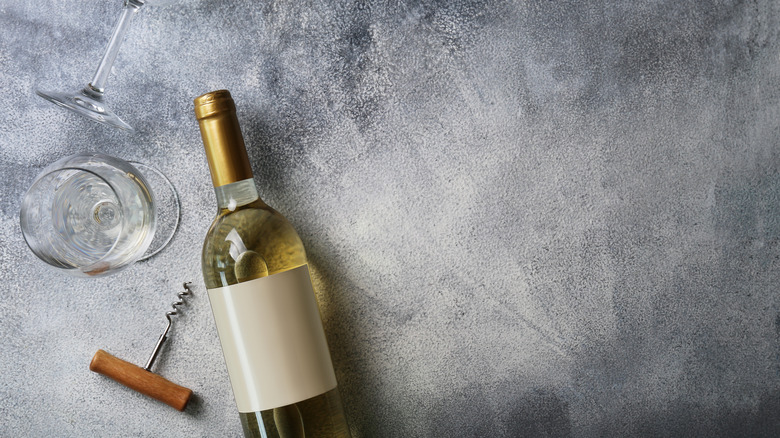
[(255, 270)]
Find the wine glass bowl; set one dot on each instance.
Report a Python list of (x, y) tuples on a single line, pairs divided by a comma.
[(89, 215)]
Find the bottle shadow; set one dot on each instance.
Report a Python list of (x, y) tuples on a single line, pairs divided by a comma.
[(344, 329)]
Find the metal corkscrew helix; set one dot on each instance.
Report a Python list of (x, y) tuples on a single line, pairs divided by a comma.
[(164, 335), (142, 379)]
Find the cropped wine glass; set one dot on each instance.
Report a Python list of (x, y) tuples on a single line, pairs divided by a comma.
[(89, 101), (89, 214)]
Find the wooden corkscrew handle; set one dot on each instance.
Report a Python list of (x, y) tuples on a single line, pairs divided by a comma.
[(137, 378)]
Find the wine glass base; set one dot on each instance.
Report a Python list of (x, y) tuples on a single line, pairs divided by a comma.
[(88, 106), (168, 209)]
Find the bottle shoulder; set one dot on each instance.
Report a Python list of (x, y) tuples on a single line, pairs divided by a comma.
[(249, 242)]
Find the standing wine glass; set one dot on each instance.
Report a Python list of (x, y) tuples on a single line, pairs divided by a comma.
[(90, 214), (89, 101)]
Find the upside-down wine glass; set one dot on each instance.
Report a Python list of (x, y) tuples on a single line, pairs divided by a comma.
[(89, 101)]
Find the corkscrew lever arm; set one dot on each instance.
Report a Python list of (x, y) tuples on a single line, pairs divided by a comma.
[(164, 335)]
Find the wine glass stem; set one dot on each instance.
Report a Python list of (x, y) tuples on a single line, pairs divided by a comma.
[(98, 83)]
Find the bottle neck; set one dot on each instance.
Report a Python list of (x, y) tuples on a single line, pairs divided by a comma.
[(225, 150), (237, 194)]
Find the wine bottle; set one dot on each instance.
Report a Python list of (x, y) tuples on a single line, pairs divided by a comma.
[(261, 294)]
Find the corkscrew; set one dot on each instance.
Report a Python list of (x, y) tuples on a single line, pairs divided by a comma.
[(142, 379)]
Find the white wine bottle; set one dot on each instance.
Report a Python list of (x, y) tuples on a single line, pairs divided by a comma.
[(261, 295)]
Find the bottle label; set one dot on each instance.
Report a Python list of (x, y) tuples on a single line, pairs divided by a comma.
[(273, 340)]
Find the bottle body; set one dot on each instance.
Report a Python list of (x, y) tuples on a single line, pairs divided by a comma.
[(255, 269)]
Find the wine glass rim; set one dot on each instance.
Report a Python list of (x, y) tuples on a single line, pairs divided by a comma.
[(56, 169)]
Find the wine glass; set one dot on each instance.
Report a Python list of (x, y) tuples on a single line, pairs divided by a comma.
[(89, 101), (90, 214)]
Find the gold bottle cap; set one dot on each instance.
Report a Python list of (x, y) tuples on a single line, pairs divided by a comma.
[(213, 103), (225, 150)]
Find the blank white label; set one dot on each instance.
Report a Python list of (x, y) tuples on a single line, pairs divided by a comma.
[(273, 341)]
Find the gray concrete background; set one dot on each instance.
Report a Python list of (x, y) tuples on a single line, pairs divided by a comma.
[(524, 218)]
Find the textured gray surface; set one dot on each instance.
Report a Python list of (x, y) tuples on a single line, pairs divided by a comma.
[(524, 218)]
